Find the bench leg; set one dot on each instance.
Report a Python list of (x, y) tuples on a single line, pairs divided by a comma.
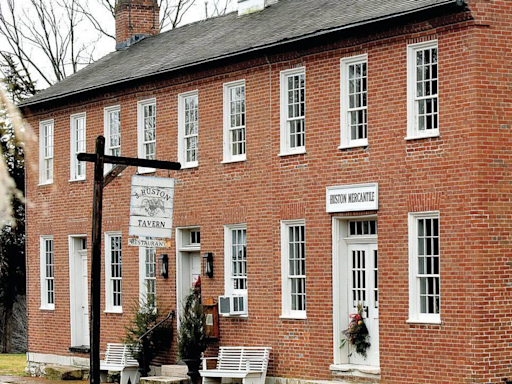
[(212, 380), (253, 380), (131, 374)]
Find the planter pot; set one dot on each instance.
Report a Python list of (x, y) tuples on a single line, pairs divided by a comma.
[(193, 369)]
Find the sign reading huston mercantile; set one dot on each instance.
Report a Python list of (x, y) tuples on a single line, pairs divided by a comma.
[(151, 206), (350, 198)]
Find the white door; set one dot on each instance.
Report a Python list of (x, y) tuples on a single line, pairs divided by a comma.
[(79, 304), (195, 267), (84, 298), (190, 272), (363, 290)]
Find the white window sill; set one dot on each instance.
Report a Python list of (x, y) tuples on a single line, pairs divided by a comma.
[(365, 369), (236, 316), (294, 317), (76, 180), (47, 308), (424, 321), (229, 161), (301, 152), (433, 134), (190, 248), (117, 311), (350, 146), (190, 165), (45, 183)]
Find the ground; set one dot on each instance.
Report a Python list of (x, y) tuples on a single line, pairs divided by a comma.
[(12, 365), (12, 371)]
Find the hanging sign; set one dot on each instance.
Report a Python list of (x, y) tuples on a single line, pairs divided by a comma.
[(350, 198), (151, 206), (148, 243)]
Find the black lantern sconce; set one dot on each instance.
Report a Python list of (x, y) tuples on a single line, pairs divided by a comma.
[(208, 264), (164, 266)]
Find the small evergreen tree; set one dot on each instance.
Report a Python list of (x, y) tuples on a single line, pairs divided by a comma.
[(192, 340), (147, 315)]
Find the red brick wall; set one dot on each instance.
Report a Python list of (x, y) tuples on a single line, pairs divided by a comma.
[(464, 173)]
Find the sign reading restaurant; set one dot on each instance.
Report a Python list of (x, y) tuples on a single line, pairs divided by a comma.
[(350, 198), (151, 207)]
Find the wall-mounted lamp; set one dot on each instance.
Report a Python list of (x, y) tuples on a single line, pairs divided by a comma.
[(208, 264), (164, 265)]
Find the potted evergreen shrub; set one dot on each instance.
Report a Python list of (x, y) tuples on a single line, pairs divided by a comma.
[(192, 340)]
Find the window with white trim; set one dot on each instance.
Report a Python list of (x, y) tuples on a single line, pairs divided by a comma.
[(146, 132), (235, 249), (423, 99), (113, 272), (47, 273), (112, 129), (188, 129), (46, 152), (293, 111), (147, 273), (354, 101), (77, 146), (234, 121), (424, 273), (293, 268)]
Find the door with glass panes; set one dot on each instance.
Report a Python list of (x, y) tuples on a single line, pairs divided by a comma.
[(363, 291)]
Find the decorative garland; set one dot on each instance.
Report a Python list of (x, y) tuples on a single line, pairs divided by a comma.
[(357, 333)]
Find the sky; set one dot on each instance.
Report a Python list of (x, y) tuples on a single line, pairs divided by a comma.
[(87, 36)]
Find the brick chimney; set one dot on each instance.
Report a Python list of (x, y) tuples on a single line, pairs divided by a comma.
[(250, 6), (135, 20)]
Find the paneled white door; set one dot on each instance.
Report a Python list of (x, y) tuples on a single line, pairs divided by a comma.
[(363, 290), (84, 298)]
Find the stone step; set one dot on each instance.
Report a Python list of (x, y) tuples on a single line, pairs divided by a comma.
[(164, 380), (63, 372), (174, 370)]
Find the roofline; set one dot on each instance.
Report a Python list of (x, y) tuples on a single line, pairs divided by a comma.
[(245, 51)]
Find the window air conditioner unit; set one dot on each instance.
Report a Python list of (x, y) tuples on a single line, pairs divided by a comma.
[(234, 305)]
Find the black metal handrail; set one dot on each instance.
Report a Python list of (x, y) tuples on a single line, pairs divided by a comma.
[(171, 314), (144, 368)]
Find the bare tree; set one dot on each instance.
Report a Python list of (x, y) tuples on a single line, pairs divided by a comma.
[(219, 7), (45, 30)]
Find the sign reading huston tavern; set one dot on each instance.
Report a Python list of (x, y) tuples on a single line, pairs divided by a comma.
[(151, 206), (350, 198)]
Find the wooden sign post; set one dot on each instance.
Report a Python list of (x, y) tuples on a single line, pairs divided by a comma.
[(100, 181)]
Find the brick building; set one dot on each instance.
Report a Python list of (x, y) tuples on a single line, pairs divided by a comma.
[(333, 153)]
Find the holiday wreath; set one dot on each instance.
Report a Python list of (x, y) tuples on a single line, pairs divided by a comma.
[(357, 333)]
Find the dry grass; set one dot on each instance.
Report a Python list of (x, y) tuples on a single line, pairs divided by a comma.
[(12, 364)]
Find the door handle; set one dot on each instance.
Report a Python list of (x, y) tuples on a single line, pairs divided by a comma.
[(366, 309)]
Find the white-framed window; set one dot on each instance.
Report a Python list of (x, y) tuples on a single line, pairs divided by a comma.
[(293, 111), (113, 272), (147, 273), (354, 101), (47, 273), (146, 132), (46, 152), (188, 129), (112, 132), (293, 268), (422, 90), (234, 121), (424, 268), (235, 258), (77, 146)]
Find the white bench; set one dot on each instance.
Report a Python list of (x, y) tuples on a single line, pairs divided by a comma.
[(246, 363), (118, 358)]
